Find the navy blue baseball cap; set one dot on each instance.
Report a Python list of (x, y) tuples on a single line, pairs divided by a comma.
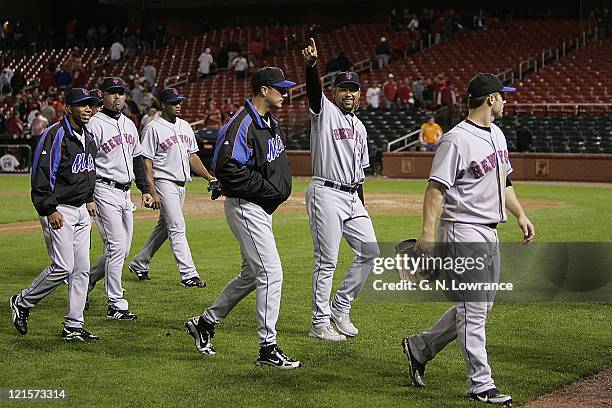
[(112, 83), (98, 94), (171, 96), (79, 96), (271, 76), (347, 78), (483, 84)]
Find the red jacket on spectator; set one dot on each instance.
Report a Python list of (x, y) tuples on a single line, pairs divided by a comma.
[(47, 79), (14, 126), (404, 92), (390, 90)]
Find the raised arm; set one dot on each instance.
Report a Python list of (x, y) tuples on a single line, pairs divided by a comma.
[(313, 82)]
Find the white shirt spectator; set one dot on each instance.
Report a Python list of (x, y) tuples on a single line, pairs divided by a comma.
[(373, 97), (9, 163), (116, 50), (32, 116), (240, 64), (38, 125), (205, 60), (150, 74)]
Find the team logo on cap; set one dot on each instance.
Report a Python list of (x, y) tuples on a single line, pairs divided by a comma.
[(115, 80), (349, 75), (85, 92)]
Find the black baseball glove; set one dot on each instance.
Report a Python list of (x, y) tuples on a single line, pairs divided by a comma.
[(214, 186)]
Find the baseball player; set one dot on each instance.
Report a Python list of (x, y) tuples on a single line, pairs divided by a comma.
[(469, 175), (251, 164), (334, 199), (99, 95), (118, 163), (169, 147), (63, 180)]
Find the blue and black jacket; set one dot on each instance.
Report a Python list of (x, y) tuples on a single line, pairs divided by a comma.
[(250, 159), (63, 171)]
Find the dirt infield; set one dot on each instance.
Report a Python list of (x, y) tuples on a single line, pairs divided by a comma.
[(199, 205), (592, 392)]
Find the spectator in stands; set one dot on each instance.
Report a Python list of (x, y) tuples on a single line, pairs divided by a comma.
[(428, 92), (46, 77), (479, 21), (394, 21), (71, 29), (48, 111), (79, 78), (39, 124), (205, 61), (213, 116), (116, 51), (5, 80), (63, 78), (8, 162), (436, 30), (151, 115), (404, 95), (446, 95), (74, 60), (241, 66), (373, 96), (92, 36), (413, 24), (275, 41), (233, 50), (227, 110), (148, 99), (149, 72), (390, 92), (18, 81), (14, 126), (523, 137), (417, 91), (343, 63), (383, 52), (430, 134), (136, 90), (258, 48)]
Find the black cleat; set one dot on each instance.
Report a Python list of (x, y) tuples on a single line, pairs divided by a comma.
[(112, 313), (141, 275), (273, 356), (492, 396), (202, 332), (416, 370), (194, 282), (77, 334), (20, 316)]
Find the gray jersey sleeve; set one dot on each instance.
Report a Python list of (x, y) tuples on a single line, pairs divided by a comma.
[(193, 143), (149, 142), (446, 163)]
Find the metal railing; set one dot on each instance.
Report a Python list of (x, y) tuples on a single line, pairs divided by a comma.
[(575, 109), (176, 80), (405, 142)]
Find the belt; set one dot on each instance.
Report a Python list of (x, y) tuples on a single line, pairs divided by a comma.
[(122, 187), (178, 183), (493, 226), (341, 187)]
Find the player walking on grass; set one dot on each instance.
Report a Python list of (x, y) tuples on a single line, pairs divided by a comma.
[(169, 147), (334, 199), (469, 175), (251, 164), (118, 163), (63, 180)]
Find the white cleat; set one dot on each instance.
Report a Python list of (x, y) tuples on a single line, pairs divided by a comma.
[(326, 333), (343, 323)]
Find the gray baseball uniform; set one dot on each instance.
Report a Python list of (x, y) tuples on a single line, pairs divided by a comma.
[(339, 149), (118, 143), (169, 145), (472, 163), (63, 178)]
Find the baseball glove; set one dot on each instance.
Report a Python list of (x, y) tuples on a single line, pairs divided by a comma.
[(214, 187), (406, 250)]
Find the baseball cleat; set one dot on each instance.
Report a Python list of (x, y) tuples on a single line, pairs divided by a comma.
[(77, 334), (492, 396), (326, 333), (202, 332), (113, 313), (20, 316), (343, 323), (194, 282), (416, 370), (273, 356), (141, 275)]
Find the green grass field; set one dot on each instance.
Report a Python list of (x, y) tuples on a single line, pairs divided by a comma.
[(533, 347)]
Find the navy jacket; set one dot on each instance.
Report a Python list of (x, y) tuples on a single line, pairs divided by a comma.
[(63, 171), (250, 159)]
